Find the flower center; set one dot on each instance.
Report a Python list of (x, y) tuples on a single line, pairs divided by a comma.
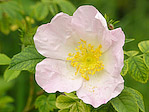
[(86, 60)]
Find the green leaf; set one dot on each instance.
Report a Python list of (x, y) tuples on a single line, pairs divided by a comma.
[(131, 53), (46, 1), (146, 59), (63, 102), (84, 107), (41, 11), (52, 101), (4, 60), (12, 9), (4, 25), (138, 97), (7, 108), (66, 6), (106, 17), (125, 68), (137, 69), (1, 13), (104, 108), (53, 8), (71, 104), (115, 22), (129, 40), (125, 102), (76, 108), (79, 107), (26, 60), (64, 110), (4, 86), (45, 104), (6, 99), (10, 74), (144, 46), (71, 95)]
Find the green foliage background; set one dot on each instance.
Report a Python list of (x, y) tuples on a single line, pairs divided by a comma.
[(132, 14)]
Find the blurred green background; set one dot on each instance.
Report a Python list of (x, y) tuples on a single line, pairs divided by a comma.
[(28, 14)]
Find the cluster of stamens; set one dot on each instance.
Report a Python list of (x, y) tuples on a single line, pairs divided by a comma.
[(86, 59)]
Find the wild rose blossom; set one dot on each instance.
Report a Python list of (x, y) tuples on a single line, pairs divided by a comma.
[(82, 55)]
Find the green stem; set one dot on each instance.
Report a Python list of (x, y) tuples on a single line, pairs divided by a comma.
[(40, 93), (30, 97)]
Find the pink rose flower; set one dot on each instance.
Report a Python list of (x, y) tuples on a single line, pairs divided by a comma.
[(82, 55)]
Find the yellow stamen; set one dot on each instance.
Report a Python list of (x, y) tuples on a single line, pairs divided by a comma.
[(86, 60)]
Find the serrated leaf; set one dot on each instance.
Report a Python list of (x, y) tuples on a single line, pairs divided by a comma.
[(66, 6), (131, 53), (84, 107), (138, 97), (137, 69), (125, 102), (26, 60), (125, 68), (64, 110), (63, 102), (52, 101), (45, 104), (41, 104), (69, 104), (79, 107), (76, 108), (146, 59), (10, 74), (41, 11), (129, 40), (105, 108), (4, 60), (144, 46)]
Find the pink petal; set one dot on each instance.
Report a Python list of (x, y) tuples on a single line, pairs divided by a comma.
[(86, 16), (56, 75), (50, 38), (113, 58), (100, 88)]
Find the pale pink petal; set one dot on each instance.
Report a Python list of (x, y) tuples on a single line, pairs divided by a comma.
[(113, 58), (118, 38), (87, 17), (100, 88), (50, 38), (117, 47), (56, 75), (105, 40)]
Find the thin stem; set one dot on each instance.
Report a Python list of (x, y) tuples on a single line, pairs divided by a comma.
[(30, 97), (39, 93)]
